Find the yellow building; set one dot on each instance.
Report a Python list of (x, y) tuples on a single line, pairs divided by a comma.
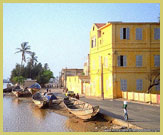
[(122, 57), (78, 84)]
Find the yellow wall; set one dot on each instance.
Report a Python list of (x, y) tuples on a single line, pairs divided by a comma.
[(74, 84), (109, 46), (142, 97)]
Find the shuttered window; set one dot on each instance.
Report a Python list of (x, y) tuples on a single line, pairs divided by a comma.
[(93, 43), (157, 60), (139, 84), (122, 61), (123, 85), (124, 33), (157, 33), (138, 33), (157, 87), (139, 61)]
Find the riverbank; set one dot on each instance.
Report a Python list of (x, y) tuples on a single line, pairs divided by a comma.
[(141, 116), (101, 123), (72, 123)]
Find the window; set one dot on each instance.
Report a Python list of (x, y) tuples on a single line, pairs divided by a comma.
[(157, 33), (138, 33), (124, 33), (157, 87), (93, 28), (139, 61), (122, 61), (123, 85), (157, 60), (139, 84), (93, 42)]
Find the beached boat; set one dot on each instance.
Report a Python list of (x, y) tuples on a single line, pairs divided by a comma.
[(43, 100), (34, 88), (5, 90), (21, 93), (9, 88), (81, 109)]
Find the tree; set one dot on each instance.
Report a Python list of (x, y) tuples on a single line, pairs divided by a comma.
[(18, 79), (45, 77), (33, 58), (154, 79), (46, 67), (25, 49), (32, 62)]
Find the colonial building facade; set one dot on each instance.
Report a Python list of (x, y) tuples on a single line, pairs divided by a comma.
[(122, 57)]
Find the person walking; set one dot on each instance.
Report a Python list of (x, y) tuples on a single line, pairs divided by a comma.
[(125, 110)]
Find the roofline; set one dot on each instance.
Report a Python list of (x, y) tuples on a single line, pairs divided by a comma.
[(135, 22), (103, 27), (110, 23), (72, 69)]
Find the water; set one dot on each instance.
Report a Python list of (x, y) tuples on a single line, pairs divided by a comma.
[(21, 115)]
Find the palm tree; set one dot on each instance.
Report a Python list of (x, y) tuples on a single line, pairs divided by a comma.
[(25, 49), (32, 61), (33, 58)]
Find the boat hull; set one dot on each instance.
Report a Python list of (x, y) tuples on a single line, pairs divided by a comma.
[(22, 93), (40, 104), (82, 110)]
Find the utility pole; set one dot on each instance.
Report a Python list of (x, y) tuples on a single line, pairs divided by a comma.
[(102, 89)]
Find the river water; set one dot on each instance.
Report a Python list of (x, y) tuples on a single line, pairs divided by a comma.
[(21, 115)]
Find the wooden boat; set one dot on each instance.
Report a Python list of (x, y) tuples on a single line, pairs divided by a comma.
[(81, 109), (21, 93), (42, 101), (7, 89), (34, 88)]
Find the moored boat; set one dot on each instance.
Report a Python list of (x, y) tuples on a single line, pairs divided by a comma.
[(43, 100), (34, 88), (21, 93), (81, 109), (6, 90)]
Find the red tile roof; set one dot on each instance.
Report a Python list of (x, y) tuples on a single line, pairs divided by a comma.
[(99, 24)]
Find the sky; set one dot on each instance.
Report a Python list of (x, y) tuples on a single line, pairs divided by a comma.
[(59, 33)]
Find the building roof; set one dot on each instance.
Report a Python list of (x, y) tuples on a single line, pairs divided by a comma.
[(99, 24), (71, 69), (119, 22)]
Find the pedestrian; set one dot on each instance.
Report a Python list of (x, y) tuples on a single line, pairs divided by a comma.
[(77, 96), (47, 90), (125, 110)]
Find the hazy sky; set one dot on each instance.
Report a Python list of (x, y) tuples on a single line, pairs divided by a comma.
[(59, 33)]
